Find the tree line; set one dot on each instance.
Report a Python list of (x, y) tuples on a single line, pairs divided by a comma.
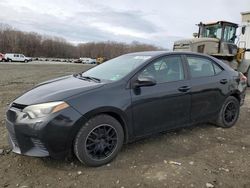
[(35, 45)]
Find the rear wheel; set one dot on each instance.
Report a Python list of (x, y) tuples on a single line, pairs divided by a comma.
[(99, 140), (229, 113), (9, 60)]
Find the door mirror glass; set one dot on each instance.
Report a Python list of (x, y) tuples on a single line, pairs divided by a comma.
[(144, 81)]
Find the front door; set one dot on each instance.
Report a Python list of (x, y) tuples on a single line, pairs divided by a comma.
[(165, 105)]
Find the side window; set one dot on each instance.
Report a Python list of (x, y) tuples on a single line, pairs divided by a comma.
[(200, 67), (229, 34), (217, 69), (166, 69)]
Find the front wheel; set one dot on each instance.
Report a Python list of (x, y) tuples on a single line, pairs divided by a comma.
[(99, 140), (229, 113)]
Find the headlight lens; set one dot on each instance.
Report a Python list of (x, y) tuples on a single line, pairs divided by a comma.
[(41, 110)]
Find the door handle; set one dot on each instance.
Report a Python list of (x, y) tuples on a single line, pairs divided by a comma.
[(184, 88), (223, 81)]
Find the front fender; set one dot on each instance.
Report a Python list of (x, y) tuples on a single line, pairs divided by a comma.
[(117, 114)]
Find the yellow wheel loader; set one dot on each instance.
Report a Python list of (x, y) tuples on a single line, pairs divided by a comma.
[(218, 39)]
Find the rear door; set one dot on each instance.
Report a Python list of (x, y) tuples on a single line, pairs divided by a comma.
[(165, 105), (209, 84)]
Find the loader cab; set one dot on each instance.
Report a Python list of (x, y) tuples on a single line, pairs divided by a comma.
[(222, 30)]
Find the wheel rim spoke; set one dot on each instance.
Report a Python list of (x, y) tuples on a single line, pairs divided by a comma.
[(230, 112), (101, 142)]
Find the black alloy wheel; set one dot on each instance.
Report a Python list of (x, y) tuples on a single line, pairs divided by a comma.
[(229, 113), (101, 142)]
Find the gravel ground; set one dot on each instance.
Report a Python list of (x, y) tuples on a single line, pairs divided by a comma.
[(200, 156)]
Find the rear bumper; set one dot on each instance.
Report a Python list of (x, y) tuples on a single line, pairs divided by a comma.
[(242, 88), (50, 136)]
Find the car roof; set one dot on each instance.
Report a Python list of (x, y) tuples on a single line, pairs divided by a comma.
[(160, 53), (149, 53), (156, 54)]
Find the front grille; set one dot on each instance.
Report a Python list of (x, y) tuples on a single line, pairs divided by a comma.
[(38, 143), (11, 115)]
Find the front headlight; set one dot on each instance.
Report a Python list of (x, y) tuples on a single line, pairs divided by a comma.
[(41, 110)]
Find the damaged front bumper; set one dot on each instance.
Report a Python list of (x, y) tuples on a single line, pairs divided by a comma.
[(41, 137)]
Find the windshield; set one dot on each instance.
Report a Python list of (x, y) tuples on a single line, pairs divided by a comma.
[(211, 31), (117, 68)]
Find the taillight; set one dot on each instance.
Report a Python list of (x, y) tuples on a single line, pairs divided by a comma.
[(243, 78)]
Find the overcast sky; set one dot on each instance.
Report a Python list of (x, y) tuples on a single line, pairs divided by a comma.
[(158, 22)]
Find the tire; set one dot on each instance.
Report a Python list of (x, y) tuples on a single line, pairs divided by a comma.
[(9, 60), (99, 140), (248, 77), (227, 121)]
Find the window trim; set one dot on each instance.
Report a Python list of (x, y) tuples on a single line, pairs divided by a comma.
[(201, 57)]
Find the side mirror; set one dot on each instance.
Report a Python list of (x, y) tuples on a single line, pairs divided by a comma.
[(243, 30), (195, 35), (144, 81)]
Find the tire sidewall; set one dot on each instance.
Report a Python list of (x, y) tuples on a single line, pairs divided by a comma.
[(222, 114), (80, 141)]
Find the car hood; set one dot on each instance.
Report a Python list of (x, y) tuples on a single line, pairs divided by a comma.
[(56, 90)]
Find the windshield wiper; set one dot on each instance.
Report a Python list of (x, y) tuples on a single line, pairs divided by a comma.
[(80, 76), (90, 78)]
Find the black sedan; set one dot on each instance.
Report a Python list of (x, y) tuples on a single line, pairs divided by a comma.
[(132, 96)]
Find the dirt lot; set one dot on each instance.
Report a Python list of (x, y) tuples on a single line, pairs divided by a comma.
[(206, 155)]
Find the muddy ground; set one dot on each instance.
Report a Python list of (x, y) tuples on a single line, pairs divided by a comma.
[(206, 156)]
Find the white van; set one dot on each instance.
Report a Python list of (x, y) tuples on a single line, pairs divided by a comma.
[(16, 57), (86, 60)]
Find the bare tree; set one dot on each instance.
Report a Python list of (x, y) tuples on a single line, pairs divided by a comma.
[(36, 45)]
